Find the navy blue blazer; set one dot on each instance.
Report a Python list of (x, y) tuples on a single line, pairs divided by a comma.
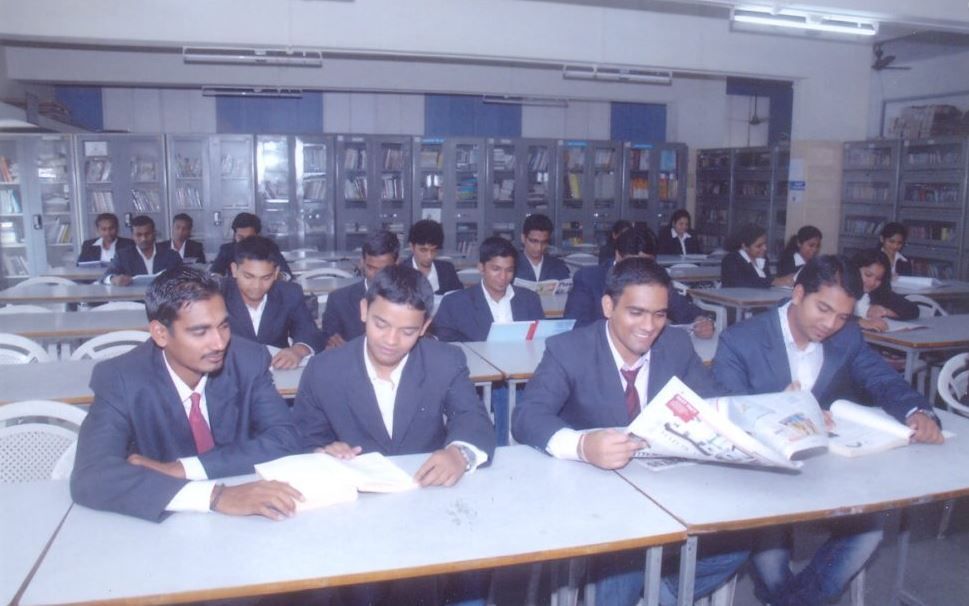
[(447, 276), (736, 271), (888, 298), (584, 303), (136, 409), (465, 316), (752, 359), (577, 383), (342, 313), (666, 244), (227, 254), (436, 403), (902, 267), (786, 265), (129, 263), (553, 268), (285, 316), (90, 251), (193, 249)]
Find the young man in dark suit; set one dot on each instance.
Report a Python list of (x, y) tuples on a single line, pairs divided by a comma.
[(145, 257), (812, 343), (426, 237), (341, 318), (267, 310), (181, 241), (467, 315), (584, 303), (243, 226), (188, 406), (597, 378), (533, 264), (107, 244)]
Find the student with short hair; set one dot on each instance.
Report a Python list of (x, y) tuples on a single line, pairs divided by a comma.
[(107, 244), (187, 407), (746, 264), (892, 238), (878, 300), (809, 343), (426, 237), (677, 238), (533, 264), (268, 310), (801, 248), (142, 258), (597, 378), (341, 318), (243, 226), (182, 242)]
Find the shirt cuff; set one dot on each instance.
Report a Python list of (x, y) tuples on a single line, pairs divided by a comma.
[(564, 444), (194, 496), (307, 346), (193, 468), (480, 457)]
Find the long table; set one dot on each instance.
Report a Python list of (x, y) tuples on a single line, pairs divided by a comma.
[(742, 299), (526, 507), (74, 293), (941, 333)]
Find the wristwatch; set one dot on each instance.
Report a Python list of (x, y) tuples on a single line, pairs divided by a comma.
[(468, 454)]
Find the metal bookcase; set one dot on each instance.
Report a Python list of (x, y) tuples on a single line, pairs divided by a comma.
[(315, 168), (590, 199), (869, 192), (654, 182), (714, 187), (275, 190), (520, 172), (125, 175), (759, 193)]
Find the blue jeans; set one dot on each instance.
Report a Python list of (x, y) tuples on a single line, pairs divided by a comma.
[(619, 577), (835, 563)]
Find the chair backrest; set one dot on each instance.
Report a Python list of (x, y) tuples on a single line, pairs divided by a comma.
[(120, 306), (928, 308), (54, 280), (682, 265), (323, 272), (24, 309), (38, 440), (954, 381), (110, 345), (15, 349)]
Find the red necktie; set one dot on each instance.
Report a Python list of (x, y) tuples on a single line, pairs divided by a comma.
[(632, 396), (200, 429)]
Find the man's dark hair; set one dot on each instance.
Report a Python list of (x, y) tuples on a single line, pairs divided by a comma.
[(113, 218), (636, 241), (496, 246), (176, 288), (745, 235), (380, 243), (635, 271), (537, 222), (830, 270), (255, 248), (244, 220), (141, 221), (618, 227), (402, 285), (870, 256), (185, 218), (426, 231)]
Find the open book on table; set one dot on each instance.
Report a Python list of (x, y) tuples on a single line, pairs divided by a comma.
[(324, 480), (546, 287), (527, 330), (144, 279)]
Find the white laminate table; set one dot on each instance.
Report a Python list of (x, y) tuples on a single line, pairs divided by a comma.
[(742, 299), (525, 507), (941, 333), (61, 325), (32, 511), (948, 290), (688, 275), (324, 286), (75, 293)]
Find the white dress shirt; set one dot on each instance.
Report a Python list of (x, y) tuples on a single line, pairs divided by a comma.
[(500, 310), (799, 261), (536, 268), (898, 257), (255, 313), (564, 443), (805, 364), (862, 305), (106, 253), (682, 239), (758, 263), (431, 275)]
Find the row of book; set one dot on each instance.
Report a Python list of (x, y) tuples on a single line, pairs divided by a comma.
[(863, 226), (144, 169), (355, 158), (314, 158), (503, 190), (503, 159), (947, 156), (188, 196), (753, 160), (97, 170), (932, 193), (752, 189), (868, 158), (604, 186), (393, 158), (145, 201), (393, 187), (9, 171), (639, 188), (538, 159), (14, 265), (276, 191), (58, 232), (101, 201), (314, 189), (712, 188), (355, 188), (431, 158), (467, 189), (931, 231), (868, 192), (466, 157), (639, 159), (10, 202), (669, 186), (713, 161), (232, 167), (52, 166), (188, 168)]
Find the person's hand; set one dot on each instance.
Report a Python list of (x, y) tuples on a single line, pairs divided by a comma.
[(876, 312), (121, 280), (335, 341), (878, 325), (927, 431), (270, 499), (290, 357), (703, 327), (609, 448), (341, 450), (829, 423), (173, 468), (794, 386), (443, 468)]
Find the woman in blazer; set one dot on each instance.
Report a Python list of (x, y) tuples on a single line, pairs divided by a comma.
[(801, 248), (879, 301), (746, 265), (893, 239), (677, 238)]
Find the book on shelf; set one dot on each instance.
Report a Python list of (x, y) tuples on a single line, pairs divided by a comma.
[(145, 201), (187, 196), (393, 187), (55, 203), (325, 480), (143, 169), (667, 160), (101, 201), (639, 159), (231, 167), (604, 186), (58, 232), (537, 159), (355, 158), (52, 166), (393, 159), (502, 159), (504, 190), (466, 157), (314, 158), (10, 202), (527, 330), (15, 264), (97, 170), (603, 158), (188, 168), (9, 233), (863, 430), (575, 158), (431, 159), (314, 189), (355, 188), (639, 188), (9, 171)]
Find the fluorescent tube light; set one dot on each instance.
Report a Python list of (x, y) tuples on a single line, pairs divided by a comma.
[(792, 19), (539, 101), (253, 56), (231, 91), (616, 74)]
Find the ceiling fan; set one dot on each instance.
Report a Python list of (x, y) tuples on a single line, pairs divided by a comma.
[(883, 61)]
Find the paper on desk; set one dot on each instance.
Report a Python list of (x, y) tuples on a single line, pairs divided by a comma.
[(273, 350), (899, 325), (915, 282), (144, 279)]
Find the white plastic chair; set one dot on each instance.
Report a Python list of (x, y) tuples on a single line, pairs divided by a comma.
[(120, 306), (323, 272), (953, 384), (928, 308), (48, 280), (24, 309), (110, 345), (15, 349), (38, 440)]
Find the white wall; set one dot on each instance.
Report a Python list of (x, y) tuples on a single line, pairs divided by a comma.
[(152, 110), (369, 113)]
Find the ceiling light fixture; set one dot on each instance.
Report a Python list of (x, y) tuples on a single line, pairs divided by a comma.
[(616, 74), (232, 91), (537, 101), (793, 19), (253, 56)]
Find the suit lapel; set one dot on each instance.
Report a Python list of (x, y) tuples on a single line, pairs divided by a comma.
[(834, 357), (221, 395), (271, 316), (363, 401), (237, 309), (171, 406), (408, 398), (775, 351), (138, 264), (482, 312), (613, 394)]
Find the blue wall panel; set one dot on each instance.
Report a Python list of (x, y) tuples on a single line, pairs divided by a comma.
[(638, 122), (469, 116), (270, 115), (84, 103)]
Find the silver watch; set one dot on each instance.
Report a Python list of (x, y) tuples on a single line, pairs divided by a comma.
[(468, 454)]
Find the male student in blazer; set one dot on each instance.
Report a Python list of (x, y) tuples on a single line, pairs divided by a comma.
[(145, 257), (265, 309), (426, 237), (182, 242), (533, 264), (243, 226), (341, 318), (592, 382), (183, 409), (811, 342), (107, 244), (584, 303), (467, 315)]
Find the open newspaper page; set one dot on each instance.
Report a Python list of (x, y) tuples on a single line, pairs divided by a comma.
[(789, 422), (861, 430), (679, 423)]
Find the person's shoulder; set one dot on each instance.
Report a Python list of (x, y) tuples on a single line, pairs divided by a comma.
[(133, 363), (440, 352), (553, 260), (348, 291), (289, 289), (526, 294), (756, 325), (444, 264), (583, 338), (89, 242), (459, 297), (674, 338)]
